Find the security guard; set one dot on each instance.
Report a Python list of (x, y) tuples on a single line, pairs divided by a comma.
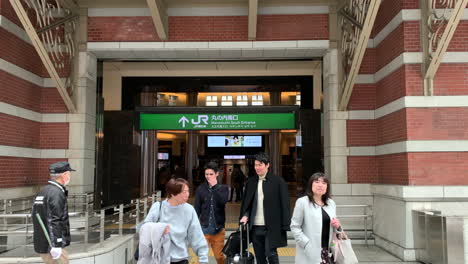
[(51, 205)]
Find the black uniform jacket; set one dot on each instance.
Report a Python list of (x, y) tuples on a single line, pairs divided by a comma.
[(202, 204), (51, 205), (276, 207)]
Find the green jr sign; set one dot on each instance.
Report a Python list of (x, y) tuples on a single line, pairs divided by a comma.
[(216, 121)]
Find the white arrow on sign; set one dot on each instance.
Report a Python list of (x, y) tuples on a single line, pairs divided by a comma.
[(184, 120)]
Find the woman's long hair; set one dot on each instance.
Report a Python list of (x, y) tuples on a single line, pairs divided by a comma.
[(315, 177)]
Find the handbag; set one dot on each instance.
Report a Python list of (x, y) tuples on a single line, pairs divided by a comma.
[(342, 250), (136, 255)]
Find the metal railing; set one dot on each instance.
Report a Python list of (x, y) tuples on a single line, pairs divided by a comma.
[(76, 202), (366, 215), (88, 227)]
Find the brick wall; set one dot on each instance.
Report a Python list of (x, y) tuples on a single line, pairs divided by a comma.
[(391, 128), (51, 101), (451, 79), (363, 97), (19, 92), (19, 132), (391, 87), (362, 169), (121, 29), (228, 28), (369, 62), (361, 133), (459, 41), (438, 168), (393, 168), (437, 123), (409, 123), (405, 38), (7, 11), (20, 172), (54, 135), (20, 53), (292, 27), (389, 9), (210, 28)]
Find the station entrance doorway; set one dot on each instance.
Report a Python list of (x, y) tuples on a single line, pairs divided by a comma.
[(172, 127)]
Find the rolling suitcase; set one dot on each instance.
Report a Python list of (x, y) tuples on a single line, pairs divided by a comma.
[(244, 256)]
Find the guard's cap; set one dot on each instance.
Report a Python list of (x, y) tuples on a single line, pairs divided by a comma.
[(60, 167)]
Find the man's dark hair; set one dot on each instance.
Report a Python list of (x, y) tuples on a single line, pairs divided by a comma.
[(212, 166), (263, 158)]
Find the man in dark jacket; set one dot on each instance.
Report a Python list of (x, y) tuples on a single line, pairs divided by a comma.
[(266, 209), (210, 204), (51, 205)]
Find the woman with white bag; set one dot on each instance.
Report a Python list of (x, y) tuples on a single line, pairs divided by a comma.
[(314, 221)]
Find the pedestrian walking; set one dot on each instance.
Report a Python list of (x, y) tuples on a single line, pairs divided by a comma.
[(265, 207), (184, 227), (50, 204), (314, 221), (237, 182), (210, 205)]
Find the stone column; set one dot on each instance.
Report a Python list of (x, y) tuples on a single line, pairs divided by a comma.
[(275, 159), (336, 166), (82, 128), (149, 150), (191, 155)]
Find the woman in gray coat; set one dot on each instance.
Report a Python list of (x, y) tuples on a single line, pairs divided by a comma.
[(314, 221)]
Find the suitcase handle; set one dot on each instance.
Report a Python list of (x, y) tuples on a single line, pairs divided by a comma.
[(248, 241)]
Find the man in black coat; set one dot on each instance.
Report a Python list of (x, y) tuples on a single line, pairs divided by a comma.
[(51, 205), (266, 209)]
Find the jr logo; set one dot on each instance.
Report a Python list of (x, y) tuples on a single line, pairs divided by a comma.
[(201, 118)]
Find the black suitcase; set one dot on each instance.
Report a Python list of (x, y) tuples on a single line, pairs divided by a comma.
[(244, 256)]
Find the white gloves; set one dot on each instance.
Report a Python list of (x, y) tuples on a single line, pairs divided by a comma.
[(56, 252)]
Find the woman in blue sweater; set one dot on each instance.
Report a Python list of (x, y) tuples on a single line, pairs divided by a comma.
[(184, 226)]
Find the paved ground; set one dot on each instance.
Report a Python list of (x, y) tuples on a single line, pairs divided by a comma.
[(371, 254), (365, 254)]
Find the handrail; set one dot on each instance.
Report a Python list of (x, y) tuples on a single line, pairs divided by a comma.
[(29, 215), (365, 215), (126, 217)]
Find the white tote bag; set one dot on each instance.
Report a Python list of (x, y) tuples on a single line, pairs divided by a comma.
[(342, 250)]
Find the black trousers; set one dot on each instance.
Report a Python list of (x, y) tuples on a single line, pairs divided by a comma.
[(263, 252), (181, 262)]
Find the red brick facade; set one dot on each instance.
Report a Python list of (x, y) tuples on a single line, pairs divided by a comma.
[(437, 168), (210, 28), (408, 124), (362, 169), (21, 172), (18, 92), (20, 53)]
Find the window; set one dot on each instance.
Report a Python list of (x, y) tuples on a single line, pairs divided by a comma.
[(242, 100), (172, 100), (298, 99), (257, 99), (212, 100), (226, 100)]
